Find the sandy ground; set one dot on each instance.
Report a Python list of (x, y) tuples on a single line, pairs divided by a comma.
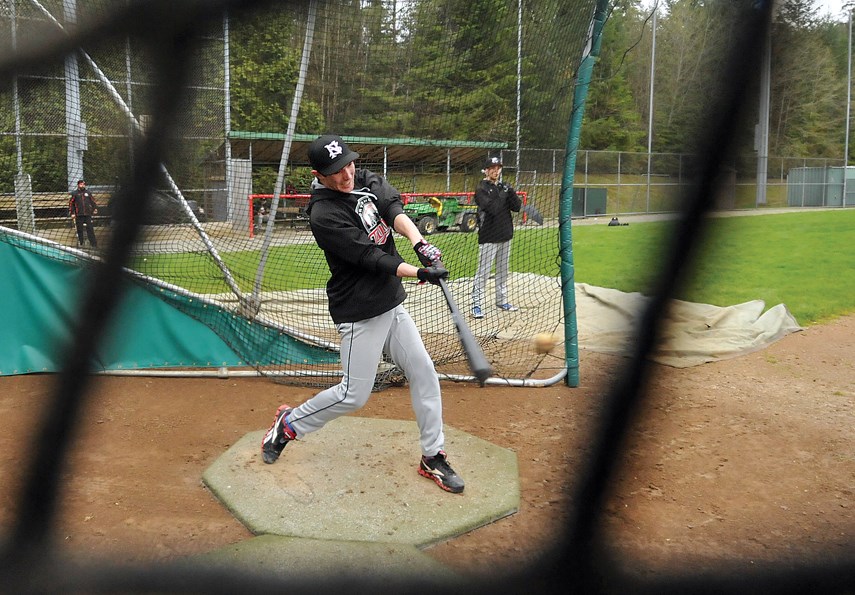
[(744, 461)]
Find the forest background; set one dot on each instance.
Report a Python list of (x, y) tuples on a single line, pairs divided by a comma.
[(809, 77), (391, 74)]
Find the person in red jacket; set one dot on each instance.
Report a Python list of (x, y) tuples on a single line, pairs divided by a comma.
[(81, 207)]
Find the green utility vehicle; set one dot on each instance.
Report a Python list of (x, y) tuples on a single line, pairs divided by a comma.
[(441, 213)]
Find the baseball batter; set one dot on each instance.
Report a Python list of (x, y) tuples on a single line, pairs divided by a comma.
[(352, 214)]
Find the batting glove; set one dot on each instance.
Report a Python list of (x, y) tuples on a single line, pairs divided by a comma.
[(432, 274), (427, 253), (504, 187)]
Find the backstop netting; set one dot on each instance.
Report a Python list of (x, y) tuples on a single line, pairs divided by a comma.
[(424, 90)]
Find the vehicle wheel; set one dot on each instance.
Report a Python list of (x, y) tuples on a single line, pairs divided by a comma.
[(427, 225), (467, 222)]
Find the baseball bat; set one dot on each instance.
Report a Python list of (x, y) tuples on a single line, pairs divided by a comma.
[(477, 361)]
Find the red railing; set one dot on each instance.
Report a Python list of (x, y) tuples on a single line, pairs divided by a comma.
[(299, 201)]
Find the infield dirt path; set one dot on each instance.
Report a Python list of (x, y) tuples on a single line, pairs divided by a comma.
[(747, 461)]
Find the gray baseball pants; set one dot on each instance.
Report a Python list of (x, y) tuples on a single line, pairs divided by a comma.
[(487, 253), (362, 345)]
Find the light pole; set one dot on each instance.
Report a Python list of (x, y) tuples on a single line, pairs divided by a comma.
[(519, 84), (761, 140), (848, 111), (650, 103), (75, 127)]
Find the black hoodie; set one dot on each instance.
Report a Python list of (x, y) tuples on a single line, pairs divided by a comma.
[(495, 203), (355, 232)]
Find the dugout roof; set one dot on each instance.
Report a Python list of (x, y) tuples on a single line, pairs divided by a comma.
[(266, 147)]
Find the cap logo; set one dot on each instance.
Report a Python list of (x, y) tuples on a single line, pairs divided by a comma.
[(334, 149)]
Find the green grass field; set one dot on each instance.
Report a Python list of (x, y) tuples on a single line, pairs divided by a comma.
[(805, 260)]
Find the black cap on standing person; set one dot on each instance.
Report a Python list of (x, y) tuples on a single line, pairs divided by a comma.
[(492, 162)]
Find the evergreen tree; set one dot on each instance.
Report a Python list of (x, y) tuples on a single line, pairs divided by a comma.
[(462, 78), (692, 56), (612, 120), (808, 91), (265, 61)]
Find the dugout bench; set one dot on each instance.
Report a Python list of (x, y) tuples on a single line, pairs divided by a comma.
[(291, 211)]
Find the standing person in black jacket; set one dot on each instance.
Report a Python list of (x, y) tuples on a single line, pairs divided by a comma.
[(81, 207), (352, 213), (496, 200)]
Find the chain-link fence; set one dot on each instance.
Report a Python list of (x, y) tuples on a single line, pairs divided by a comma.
[(623, 183)]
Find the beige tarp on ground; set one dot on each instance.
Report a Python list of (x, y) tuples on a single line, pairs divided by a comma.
[(695, 334), (606, 318)]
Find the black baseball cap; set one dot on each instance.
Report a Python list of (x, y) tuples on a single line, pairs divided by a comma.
[(81, 181), (328, 154), (492, 162)]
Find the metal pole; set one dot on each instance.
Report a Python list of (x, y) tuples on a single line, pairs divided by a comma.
[(762, 140), (129, 90), (650, 102), (519, 85), (565, 206), (255, 303), (17, 100), (848, 111), (227, 117), (75, 129), (111, 89)]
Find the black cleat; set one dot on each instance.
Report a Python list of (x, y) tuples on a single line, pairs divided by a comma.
[(438, 469), (278, 436)]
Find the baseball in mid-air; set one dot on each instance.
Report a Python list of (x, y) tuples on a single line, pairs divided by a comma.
[(545, 342)]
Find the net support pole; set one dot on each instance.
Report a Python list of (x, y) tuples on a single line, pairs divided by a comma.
[(843, 202), (19, 152), (568, 283), (111, 89), (227, 117), (762, 132), (75, 129), (519, 90), (286, 154)]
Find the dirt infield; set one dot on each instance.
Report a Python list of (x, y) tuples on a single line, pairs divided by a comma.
[(747, 460)]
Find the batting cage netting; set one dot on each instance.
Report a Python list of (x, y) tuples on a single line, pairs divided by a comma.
[(425, 91), (183, 127)]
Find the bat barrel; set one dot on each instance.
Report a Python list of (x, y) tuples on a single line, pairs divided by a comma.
[(478, 363)]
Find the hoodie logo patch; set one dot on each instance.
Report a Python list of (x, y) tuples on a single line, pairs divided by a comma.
[(377, 229)]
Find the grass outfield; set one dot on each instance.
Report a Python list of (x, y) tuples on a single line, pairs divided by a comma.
[(803, 259)]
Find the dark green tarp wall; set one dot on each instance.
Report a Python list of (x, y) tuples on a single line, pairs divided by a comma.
[(42, 291)]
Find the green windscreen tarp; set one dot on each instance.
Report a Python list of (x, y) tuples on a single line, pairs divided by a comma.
[(42, 297)]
